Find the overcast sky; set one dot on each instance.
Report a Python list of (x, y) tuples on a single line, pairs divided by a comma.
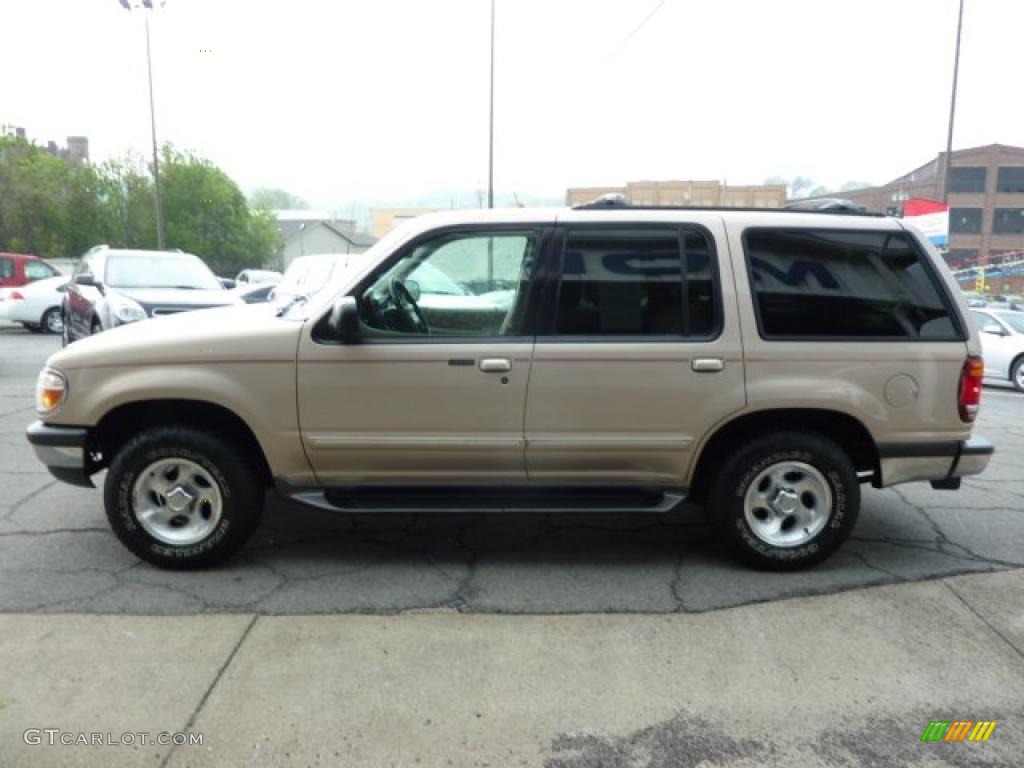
[(387, 99)]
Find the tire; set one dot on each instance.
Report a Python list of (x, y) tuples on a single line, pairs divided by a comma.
[(785, 501), (202, 497), (1017, 374), (51, 321)]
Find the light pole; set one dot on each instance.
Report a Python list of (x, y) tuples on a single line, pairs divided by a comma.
[(490, 132), (952, 106), (148, 5)]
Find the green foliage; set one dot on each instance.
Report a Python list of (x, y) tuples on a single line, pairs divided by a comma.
[(272, 198), (51, 208)]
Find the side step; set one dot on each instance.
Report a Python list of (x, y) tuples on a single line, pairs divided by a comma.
[(490, 499)]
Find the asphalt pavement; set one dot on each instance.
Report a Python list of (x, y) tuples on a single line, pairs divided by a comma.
[(608, 641)]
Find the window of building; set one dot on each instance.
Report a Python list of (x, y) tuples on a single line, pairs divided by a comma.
[(965, 220), (842, 284), (633, 282), (1011, 180), (967, 180), (1008, 221)]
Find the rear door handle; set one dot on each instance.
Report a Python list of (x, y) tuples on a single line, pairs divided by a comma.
[(495, 365), (708, 364)]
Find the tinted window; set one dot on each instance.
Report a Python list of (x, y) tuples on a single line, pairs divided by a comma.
[(969, 180), (6, 269), (631, 282), (818, 284), (1011, 180), (967, 220), (36, 270), (1008, 221)]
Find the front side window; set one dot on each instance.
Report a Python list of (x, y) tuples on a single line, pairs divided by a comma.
[(986, 322), (811, 284), (37, 270), (636, 282), (462, 284)]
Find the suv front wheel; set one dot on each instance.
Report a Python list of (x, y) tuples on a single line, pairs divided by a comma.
[(786, 501), (181, 497)]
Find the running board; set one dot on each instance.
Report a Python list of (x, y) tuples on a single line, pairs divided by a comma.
[(517, 500)]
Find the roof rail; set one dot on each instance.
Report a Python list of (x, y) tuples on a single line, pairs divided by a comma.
[(851, 210), (609, 200), (829, 204)]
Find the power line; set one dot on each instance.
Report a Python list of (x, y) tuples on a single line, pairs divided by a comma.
[(638, 27)]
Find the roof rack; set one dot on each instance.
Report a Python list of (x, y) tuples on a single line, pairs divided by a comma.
[(616, 200)]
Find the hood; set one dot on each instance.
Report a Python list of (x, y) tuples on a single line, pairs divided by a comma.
[(176, 298), (226, 334)]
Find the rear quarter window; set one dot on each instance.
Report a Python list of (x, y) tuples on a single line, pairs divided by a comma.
[(845, 285)]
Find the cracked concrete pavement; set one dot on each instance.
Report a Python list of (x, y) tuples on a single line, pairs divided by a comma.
[(919, 617), (58, 554)]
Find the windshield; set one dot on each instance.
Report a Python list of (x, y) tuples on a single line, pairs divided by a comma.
[(1013, 319), (157, 271)]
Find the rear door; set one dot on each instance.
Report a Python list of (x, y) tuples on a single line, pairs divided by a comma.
[(642, 354)]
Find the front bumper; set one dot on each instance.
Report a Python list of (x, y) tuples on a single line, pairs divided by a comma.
[(941, 463), (63, 450)]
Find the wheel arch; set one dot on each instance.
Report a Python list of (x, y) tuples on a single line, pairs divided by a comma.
[(121, 423), (850, 434)]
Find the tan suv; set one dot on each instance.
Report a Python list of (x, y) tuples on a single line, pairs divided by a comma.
[(765, 363)]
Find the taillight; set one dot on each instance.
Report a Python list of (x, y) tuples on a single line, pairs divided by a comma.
[(970, 387)]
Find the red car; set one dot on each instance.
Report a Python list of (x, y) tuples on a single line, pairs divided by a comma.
[(20, 269)]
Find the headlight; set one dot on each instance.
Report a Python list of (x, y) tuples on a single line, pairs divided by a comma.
[(51, 389), (125, 310)]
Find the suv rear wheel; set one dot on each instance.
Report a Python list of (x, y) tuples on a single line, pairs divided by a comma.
[(786, 501), (182, 498)]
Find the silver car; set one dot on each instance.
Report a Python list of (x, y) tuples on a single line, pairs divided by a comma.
[(1002, 341)]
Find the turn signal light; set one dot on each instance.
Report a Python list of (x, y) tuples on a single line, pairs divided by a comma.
[(51, 387), (969, 399)]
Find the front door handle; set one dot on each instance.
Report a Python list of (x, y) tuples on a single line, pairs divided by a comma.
[(708, 364), (495, 365)]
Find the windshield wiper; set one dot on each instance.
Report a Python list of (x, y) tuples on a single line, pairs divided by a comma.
[(293, 301)]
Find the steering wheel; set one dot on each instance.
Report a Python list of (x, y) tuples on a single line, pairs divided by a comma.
[(406, 304)]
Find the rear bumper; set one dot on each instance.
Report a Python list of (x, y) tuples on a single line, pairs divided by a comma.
[(63, 451), (942, 463)]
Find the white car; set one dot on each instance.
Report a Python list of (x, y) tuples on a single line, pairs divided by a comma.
[(1002, 341), (308, 274), (36, 305)]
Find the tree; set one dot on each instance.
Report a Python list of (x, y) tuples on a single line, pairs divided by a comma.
[(272, 198), (206, 213)]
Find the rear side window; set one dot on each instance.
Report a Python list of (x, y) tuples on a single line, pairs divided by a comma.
[(637, 282), (819, 284), (6, 269)]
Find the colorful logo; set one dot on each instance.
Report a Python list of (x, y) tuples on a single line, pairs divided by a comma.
[(958, 730)]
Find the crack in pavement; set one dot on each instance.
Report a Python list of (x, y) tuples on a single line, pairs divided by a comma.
[(985, 621)]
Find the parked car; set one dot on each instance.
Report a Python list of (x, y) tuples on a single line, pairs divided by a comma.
[(36, 305), (762, 363), (21, 268), (253, 276), (1002, 343), (308, 274), (113, 287)]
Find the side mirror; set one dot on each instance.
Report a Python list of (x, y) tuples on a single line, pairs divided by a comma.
[(227, 282), (344, 319), (89, 280), (62, 288), (995, 331)]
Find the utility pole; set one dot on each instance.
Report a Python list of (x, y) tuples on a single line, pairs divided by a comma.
[(490, 132), (952, 106)]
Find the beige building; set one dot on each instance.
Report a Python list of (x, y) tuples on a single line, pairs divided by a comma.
[(686, 193), (383, 220), (986, 199)]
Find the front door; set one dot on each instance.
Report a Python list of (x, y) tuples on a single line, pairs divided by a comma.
[(433, 389), (643, 356)]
